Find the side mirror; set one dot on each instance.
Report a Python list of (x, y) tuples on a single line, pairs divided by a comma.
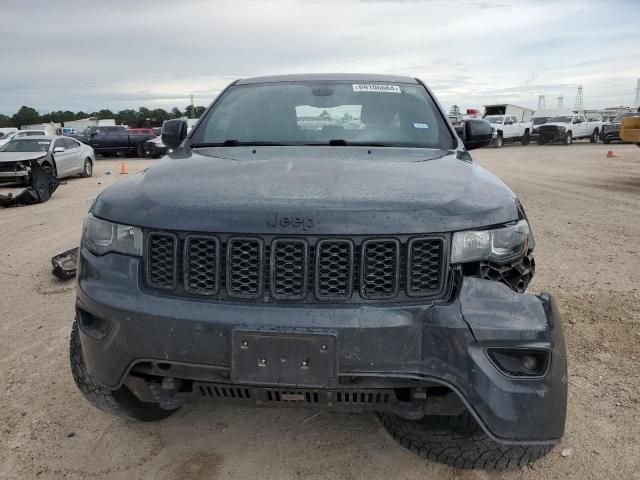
[(93, 134), (174, 132), (58, 150), (477, 133)]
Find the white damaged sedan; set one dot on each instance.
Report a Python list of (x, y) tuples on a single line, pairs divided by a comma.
[(60, 156)]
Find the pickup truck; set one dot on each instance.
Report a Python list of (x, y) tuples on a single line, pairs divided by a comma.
[(115, 140), (566, 128), (506, 128), (611, 130)]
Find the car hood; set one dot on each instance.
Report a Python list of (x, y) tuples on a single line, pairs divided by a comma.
[(318, 190), (20, 156)]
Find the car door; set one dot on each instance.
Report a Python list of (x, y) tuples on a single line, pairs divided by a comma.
[(585, 128), (75, 161), (509, 127), (62, 157)]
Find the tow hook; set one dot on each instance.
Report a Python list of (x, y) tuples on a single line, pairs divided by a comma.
[(415, 409)]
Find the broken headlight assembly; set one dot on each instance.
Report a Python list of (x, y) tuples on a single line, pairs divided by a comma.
[(502, 254), (500, 245), (102, 237)]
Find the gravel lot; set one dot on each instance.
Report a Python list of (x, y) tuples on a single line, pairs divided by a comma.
[(585, 209)]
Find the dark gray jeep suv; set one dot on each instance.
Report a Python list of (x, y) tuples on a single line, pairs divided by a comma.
[(325, 241)]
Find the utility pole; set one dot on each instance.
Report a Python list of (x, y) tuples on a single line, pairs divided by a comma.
[(541, 106), (193, 108), (579, 105), (636, 102)]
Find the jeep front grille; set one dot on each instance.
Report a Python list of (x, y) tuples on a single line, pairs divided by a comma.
[(302, 269)]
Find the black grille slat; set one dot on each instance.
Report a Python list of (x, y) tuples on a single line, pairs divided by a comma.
[(288, 280), (202, 265), (299, 268), (380, 268), (245, 266), (162, 249), (334, 270), (424, 271)]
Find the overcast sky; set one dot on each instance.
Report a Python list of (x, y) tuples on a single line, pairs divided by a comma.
[(87, 55)]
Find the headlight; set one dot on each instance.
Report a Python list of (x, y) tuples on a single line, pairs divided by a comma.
[(500, 245), (102, 237), (562, 129)]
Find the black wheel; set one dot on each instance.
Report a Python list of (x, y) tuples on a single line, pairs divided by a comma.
[(459, 442), (47, 167), (525, 138), (594, 136), (568, 138), (140, 150), (87, 171), (499, 141), (119, 402)]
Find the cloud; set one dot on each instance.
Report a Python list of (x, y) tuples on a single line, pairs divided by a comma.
[(124, 54)]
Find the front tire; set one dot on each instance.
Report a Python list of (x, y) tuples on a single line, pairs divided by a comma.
[(140, 151), (499, 141), (87, 170), (525, 138), (568, 138), (594, 136), (120, 402), (459, 442)]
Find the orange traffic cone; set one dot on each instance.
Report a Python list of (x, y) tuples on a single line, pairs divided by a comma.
[(610, 154), (123, 168)]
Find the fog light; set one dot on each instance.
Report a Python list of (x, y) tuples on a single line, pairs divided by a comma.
[(516, 362), (529, 362)]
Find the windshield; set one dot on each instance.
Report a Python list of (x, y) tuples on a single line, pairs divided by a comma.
[(325, 113), (26, 146), (539, 120), (563, 119), (494, 118)]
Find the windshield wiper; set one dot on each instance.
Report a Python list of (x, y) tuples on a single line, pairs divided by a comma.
[(232, 142), (339, 142)]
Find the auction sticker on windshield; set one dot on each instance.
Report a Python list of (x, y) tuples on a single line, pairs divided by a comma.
[(371, 87)]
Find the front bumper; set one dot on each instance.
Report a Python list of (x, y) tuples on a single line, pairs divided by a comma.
[(445, 343), (552, 135)]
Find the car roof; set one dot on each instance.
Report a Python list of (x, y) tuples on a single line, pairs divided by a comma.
[(359, 77), (41, 138)]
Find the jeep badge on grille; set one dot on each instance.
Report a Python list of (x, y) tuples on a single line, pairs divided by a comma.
[(305, 223)]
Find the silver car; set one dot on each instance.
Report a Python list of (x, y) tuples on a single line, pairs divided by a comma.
[(58, 155)]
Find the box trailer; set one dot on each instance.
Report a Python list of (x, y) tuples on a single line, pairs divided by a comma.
[(522, 113)]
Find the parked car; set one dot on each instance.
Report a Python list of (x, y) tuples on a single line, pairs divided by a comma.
[(611, 131), (21, 134), (370, 266), (566, 128), (60, 156), (154, 148), (110, 140), (506, 128)]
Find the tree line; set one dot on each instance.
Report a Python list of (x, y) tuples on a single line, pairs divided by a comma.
[(143, 117)]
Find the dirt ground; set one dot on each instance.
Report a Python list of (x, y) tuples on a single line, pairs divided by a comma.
[(585, 209)]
